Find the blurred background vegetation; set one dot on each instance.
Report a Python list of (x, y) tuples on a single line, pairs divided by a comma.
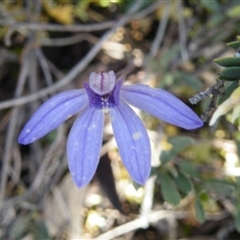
[(53, 45)]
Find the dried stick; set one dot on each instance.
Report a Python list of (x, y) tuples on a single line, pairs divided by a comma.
[(58, 28), (17, 165), (146, 11), (139, 223), (154, 217), (58, 42), (182, 32), (146, 205), (42, 179), (11, 130), (54, 70), (161, 31), (44, 66), (36, 150), (215, 91), (54, 149)]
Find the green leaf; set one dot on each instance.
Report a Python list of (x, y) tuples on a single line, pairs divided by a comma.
[(238, 178), (212, 5), (228, 62), (237, 220), (189, 80), (19, 226), (199, 210), (126, 5), (172, 170), (231, 72), (187, 168), (169, 190), (104, 3), (215, 20), (235, 45), (168, 55), (183, 183), (220, 187), (234, 11), (228, 92), (223, 78), (178, 143), (40, 230), (165, 156)]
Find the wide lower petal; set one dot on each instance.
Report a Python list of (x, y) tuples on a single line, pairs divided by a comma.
[(53, 113), (133, 142), (161, 104), (84, 145)]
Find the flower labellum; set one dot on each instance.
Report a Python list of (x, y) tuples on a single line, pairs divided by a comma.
[(104, 94), (102, 83)]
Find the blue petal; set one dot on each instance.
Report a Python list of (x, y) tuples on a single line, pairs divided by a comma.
[(161, 104), (84, 145), (53, 113), (133, 142)]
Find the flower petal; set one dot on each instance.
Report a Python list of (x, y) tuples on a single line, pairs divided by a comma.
[(53, 113), (133, 142), (161, 104), (84, 145)]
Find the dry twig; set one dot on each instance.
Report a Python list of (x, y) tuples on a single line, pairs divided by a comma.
[(161, 31), (11, 130)]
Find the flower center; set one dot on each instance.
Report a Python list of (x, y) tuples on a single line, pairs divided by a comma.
[(103, 90), (105, 103)]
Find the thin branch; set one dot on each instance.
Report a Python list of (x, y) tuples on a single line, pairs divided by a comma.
[(200, 96), (58, 28), (44, 66), (17, 165), (140, 222), (63, 206), (8, 35), (215, 91), (54, 150), (41, 178), (147, 10), (224, 231), (11, 130), (147, 202), (58, 42), (154, 217), (160, 32), (182, 32)]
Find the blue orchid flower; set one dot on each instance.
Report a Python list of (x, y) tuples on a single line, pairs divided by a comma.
[(104, 94)]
